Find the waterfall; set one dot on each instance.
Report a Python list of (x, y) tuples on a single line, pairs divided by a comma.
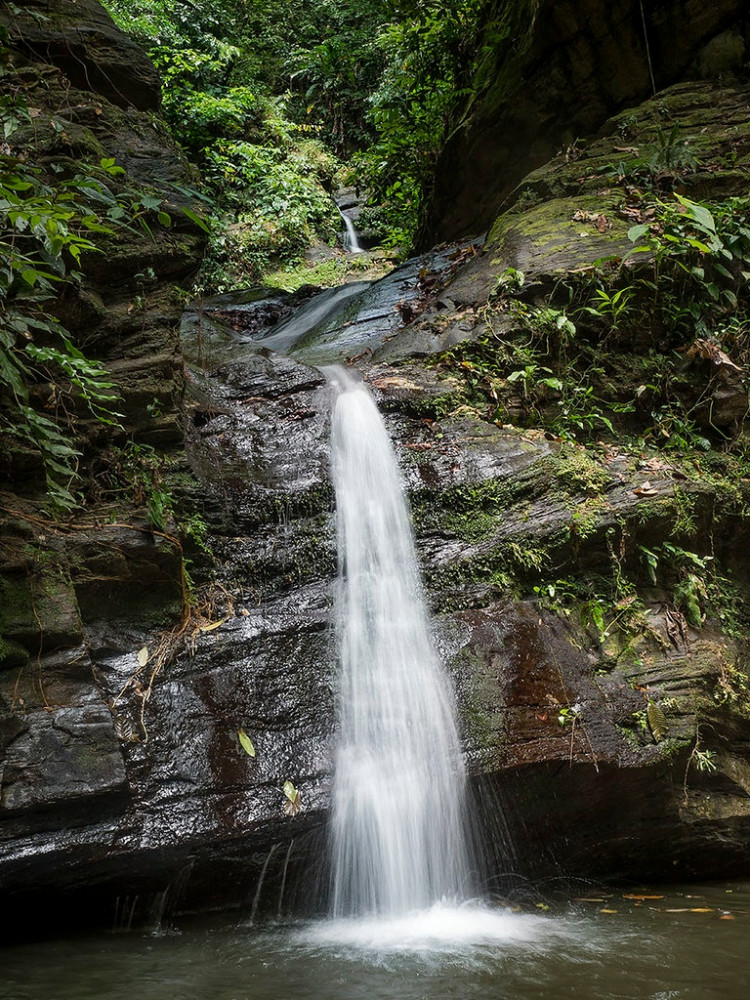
[(351, 238), (398, 796)]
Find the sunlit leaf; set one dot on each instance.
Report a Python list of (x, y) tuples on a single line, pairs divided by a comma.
[(142, 656), (211, 626), (294, 804), (246, 742)]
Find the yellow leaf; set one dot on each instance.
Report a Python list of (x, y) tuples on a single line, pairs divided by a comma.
[(211, 626), (608, 911), (247, 743), (142, 656)]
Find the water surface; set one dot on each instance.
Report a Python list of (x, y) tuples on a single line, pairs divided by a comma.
[(687, 944)]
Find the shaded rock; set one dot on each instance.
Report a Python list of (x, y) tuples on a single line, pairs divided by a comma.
[(80, 38), (557, 72)]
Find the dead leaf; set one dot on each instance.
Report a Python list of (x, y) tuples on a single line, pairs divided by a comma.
[(645, 490), (710, 352), (677, 628), (635, 895), (211, 626), (726, 916), (294, 800), (142, 656), (657, 723)]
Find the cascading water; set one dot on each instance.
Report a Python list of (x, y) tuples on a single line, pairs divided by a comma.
[(398, 798), (351, 239)]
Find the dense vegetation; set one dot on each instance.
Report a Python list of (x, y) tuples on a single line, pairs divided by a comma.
[(362, 93)]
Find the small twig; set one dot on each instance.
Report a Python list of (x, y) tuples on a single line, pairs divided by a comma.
[(648, 49)]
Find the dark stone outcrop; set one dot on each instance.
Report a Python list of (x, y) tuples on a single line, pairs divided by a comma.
[(559, 71), (81, 40)]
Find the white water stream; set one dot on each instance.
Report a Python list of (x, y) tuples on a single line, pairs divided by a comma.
[(398, 799), (351, 238)]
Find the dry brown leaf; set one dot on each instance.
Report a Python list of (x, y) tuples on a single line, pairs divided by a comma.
[(705, 349)]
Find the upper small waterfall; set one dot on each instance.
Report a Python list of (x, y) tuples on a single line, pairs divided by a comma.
[(351, 237), (398, 798)]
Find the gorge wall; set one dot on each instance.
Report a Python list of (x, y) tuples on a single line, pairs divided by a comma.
[(589, 690), (550, 74)]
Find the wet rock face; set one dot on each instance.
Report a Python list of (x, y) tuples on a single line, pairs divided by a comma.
[(80, 38), (139, 786), (124, 784), (563, 70)]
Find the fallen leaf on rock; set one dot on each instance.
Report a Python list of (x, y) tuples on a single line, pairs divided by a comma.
[(142, 656), (705, 349), (635, 895), (246, 742), (211, 626), (645, 490)]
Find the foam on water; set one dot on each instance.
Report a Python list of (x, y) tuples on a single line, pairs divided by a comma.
[(442, 928)]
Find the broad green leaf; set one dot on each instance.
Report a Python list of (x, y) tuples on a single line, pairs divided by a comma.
[(698, 213), (290, 791), (246, 742), (636, 232)]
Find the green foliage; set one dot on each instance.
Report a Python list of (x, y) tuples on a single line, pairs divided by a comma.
[(332, 80), (430, 52), (45, 379), (700, 258)]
